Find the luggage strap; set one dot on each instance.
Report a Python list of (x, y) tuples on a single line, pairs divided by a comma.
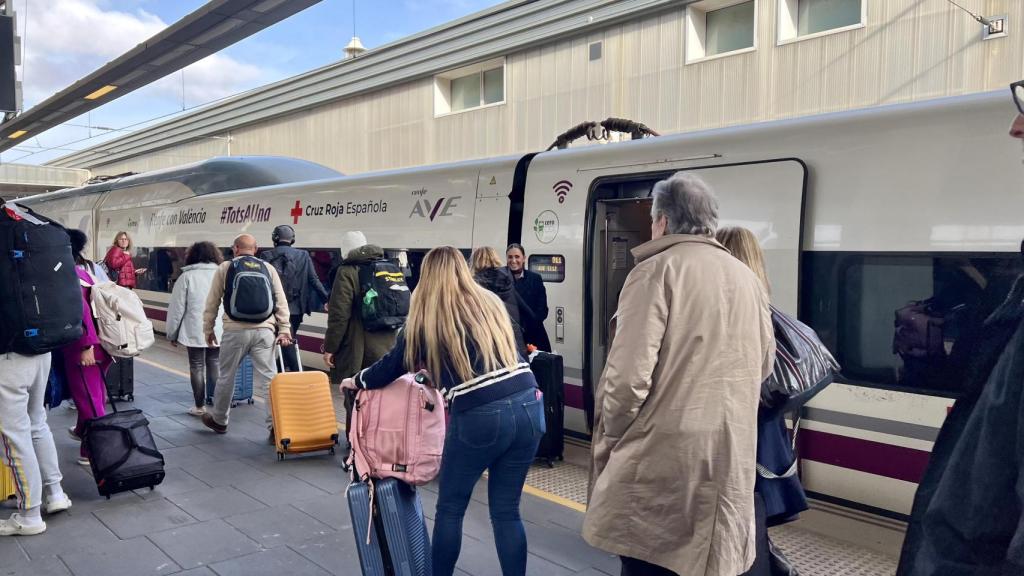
[(125, 431), (767, 474)]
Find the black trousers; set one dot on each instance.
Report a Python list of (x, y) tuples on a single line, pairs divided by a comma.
[(635, 567), (291, 353)]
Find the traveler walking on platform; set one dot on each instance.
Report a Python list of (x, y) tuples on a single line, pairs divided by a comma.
[(26, 443), (462, 334), (967, 517), (781, 498), (85, 361), (298, 276), (489, 273), (672, 479), (185, 319), (118, 261), (530, 287), (255, 308), (348, 346)]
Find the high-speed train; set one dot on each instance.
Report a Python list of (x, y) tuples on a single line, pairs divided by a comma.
[(859, 213)]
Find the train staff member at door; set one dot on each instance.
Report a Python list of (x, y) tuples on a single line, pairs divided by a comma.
[(531, 288), (967, 516)]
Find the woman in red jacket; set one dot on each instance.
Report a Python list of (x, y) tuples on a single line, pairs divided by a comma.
[(119, 261)]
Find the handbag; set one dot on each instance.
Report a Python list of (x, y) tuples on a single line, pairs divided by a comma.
[(803, 365)]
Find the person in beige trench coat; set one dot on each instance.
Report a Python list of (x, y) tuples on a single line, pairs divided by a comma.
[(675, 437)]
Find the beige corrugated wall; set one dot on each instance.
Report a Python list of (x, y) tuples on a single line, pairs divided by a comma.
[(908, 50)]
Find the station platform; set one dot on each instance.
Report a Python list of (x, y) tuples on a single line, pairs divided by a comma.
[(229, 507)]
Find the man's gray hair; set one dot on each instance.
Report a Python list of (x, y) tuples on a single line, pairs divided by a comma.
[(689, 204)]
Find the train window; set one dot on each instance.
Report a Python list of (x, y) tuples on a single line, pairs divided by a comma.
[(162, 266), (907, 321)]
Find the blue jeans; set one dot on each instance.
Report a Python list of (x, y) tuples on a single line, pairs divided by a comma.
[(501, 437)]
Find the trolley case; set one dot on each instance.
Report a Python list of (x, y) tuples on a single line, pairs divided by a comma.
[(243, 385), (395, 541), (303, 412), (122, 451), (121, 379), (547, 369), (6, 481)]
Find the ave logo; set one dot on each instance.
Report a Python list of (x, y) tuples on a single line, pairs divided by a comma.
[(442, 207)]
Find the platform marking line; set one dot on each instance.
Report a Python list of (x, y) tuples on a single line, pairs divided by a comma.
[(542, 494)]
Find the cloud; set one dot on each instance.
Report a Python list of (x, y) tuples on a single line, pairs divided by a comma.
[(67, 39)]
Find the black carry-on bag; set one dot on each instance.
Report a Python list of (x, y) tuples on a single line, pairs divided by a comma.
[(120, 379), (122, 451), (391, 533), (547, 369)]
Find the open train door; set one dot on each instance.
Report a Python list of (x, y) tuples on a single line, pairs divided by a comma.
[(612, 218)]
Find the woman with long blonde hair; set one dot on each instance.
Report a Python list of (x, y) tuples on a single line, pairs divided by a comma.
[(744, 246), (461, 334)]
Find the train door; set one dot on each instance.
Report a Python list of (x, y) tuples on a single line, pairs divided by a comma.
[(766, 197)]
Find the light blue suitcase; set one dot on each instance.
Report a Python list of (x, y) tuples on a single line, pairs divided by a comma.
[(243, 385)]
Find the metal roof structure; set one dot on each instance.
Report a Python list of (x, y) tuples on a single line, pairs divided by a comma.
[(18, 180), (214, 26), (503, 29)]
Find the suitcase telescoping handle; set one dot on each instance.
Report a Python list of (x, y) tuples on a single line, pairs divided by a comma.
[(280, 356)]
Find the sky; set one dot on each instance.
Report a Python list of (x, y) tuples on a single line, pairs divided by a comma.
[(64, 40)]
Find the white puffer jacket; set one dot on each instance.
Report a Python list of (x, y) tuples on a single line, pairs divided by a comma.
[(188, 299)]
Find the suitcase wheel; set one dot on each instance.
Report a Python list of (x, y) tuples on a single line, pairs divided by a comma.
[(251, 401), (332, 450), (280, 456)]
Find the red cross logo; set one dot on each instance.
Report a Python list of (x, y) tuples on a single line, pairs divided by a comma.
[(296, 212)]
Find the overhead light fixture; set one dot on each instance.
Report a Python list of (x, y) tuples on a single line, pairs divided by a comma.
[(101, 92), (17, 134)]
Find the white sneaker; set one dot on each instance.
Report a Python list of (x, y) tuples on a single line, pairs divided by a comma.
[(84, 461), (58, 505), (74, 435), (196, 411), (17, 526)]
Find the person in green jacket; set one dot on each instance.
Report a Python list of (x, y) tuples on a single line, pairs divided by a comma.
[(348, 348)]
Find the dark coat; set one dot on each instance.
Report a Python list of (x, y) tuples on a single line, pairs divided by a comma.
[(531, 288), (499, 281), (967, 514), (783, 497), (298, 276), (353, 347)]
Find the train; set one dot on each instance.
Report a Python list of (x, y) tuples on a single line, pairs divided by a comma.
[(861, 213)]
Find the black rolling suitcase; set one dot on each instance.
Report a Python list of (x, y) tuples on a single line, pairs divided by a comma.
[(395, 542), (122, 452), (121, 379), (547, 369)]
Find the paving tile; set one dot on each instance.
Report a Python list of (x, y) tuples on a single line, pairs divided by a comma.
[(203, 571), (335, 552), (279, 526), (279, 490), (128, 558), (66, 532), (230, 448), (204, 543), (10, 552), (51, 566), (331, 510), (187, 437), (329, 477), (176, 481), (270, 563), (164, 424), (185, 455), (210, 503), (565, 548), (139, 519), (225, 473)]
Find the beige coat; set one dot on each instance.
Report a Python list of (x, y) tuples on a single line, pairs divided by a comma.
[(675, 433)]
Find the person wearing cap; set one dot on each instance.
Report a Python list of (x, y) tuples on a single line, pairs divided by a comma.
[(298, 275), (348, 348)]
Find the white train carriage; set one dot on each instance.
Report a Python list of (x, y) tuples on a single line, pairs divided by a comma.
[(859, 213)]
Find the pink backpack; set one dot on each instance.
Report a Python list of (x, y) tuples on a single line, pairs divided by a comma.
[(398, 432)]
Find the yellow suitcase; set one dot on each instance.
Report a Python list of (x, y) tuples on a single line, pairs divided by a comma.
[(303, 413), (6, 482)]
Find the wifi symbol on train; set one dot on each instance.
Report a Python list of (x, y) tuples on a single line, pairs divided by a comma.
[(562, 189)]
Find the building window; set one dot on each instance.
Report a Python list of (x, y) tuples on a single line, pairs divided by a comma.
[(719, 27), (804, 18), (906, 321), (470, 87)]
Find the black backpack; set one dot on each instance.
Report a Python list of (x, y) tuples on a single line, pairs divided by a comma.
[(40, 296), (384, 296), (248, 290), (289, 266)]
